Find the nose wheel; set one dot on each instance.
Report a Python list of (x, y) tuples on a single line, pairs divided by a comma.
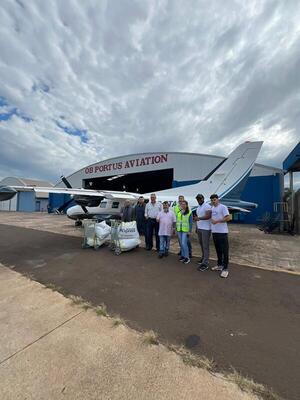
[(78, 223)]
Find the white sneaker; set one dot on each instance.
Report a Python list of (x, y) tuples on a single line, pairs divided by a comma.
[(186, 261), (224, 273), (217, 268)]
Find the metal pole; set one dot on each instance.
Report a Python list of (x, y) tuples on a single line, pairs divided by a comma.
[(282, 210), (292, 194)]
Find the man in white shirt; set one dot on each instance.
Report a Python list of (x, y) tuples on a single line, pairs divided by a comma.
[(151, 212), (219, 218), (203, 230)]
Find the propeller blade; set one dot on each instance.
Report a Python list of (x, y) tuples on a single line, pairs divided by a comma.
[(66, 182)]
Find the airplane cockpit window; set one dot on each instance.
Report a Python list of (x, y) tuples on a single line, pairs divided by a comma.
[(103, 204), (115, 204)]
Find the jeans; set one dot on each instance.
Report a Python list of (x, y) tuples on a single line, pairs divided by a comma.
[(164, 244), (141, 225), (183, 241), (222, 248), (189, 244), (203, 237), (152, 225)]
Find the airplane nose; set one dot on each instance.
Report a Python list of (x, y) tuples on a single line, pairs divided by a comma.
[(7, 193), (73, 212)]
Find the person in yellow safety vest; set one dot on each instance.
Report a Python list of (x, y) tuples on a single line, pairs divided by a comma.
[(177, 209), (177, 206), (184, 226)]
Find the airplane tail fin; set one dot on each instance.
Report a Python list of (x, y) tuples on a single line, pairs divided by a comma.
[(230, 177)]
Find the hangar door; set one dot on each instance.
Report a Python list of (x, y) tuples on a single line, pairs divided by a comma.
[(140, 182)]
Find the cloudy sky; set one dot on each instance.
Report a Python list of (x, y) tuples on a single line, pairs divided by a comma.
[(81, 81)]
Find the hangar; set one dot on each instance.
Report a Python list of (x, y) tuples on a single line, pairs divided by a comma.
[(150, 172), (25, 200)]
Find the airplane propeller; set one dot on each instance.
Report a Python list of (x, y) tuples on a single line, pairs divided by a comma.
[(81, 200)]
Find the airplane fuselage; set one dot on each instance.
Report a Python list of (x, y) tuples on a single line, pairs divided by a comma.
[(112, 209)]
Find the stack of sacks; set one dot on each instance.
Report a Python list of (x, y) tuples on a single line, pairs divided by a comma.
[(102, 234), (102, 231), (128, 236)]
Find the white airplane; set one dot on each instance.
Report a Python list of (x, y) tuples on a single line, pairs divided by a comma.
[(227, 181)]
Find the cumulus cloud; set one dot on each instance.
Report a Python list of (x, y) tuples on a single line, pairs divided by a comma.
[(84, 81)]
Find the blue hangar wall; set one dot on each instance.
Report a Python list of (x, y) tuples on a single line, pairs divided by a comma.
[(264, 191), (28, 202), (57, 200)]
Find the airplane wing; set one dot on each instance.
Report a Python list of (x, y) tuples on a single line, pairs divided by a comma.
[(8, 192), (90, 192)]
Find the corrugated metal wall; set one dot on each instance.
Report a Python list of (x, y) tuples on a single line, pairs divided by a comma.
[(263, 190), (9, 205)]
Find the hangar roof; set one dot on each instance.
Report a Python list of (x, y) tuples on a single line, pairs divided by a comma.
[(15, 181), (25, 182), (133, 155), (292, 162), (160, 152)]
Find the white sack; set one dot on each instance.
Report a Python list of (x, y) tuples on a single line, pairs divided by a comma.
[(128, 244), (96, 242), (102, 230), (128, 230)]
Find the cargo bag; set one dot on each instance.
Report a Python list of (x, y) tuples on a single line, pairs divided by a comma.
[(127, 236)]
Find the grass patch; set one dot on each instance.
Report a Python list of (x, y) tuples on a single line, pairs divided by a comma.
[(248, 385), (52, 286), (117, 320), (86, 305), (79, 301), (76, 299), (194, 360), (150, 337), (101, 310), (28, 275)]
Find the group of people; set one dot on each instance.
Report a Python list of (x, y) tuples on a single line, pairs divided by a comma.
[(159, 220)]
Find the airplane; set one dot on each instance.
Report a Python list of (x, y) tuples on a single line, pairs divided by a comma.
[(227, 181)]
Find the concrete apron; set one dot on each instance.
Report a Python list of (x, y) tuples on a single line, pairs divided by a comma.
[(51, 349)]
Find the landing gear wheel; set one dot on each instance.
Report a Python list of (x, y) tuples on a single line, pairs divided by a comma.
[(117, 251), (78, 223)]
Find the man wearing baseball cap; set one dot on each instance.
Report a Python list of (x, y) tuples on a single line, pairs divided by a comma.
[(203, 215)]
